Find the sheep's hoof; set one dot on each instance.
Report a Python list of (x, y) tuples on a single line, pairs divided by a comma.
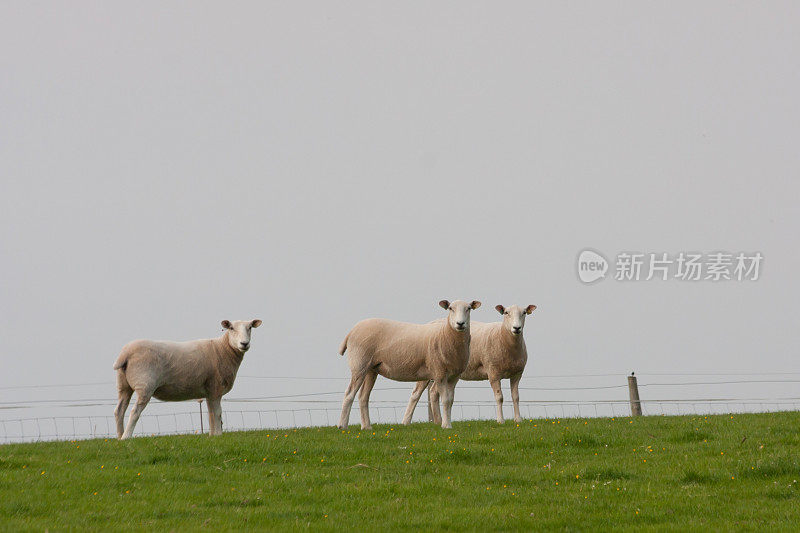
[(518, 420), (501, 421), (366, 428)]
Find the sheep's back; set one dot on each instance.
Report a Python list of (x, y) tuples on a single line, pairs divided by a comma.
[(378, 334)]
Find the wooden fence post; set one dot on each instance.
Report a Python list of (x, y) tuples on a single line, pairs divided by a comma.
[(633, 391), (200, 402)]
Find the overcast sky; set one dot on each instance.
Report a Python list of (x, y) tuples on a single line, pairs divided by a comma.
[(167, 166)]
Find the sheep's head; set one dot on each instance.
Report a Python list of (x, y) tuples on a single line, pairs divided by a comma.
[(514, 317), (239, 333), (458, 313)]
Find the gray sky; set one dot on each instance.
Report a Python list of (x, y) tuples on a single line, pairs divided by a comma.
[(164, 167)]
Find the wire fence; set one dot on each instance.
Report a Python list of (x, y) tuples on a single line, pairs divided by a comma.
[(322, 408)]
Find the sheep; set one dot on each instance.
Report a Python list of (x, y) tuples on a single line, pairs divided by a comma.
[(497, 351), (175, 371), (438, 351)]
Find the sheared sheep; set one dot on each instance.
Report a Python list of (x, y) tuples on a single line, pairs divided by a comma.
[(437, 351), (497, 351), (175, 371)]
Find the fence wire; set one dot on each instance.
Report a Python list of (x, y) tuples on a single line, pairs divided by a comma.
[(317, 408), (385, 412)]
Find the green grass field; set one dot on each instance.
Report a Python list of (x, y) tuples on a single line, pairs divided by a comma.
[(717, 472)]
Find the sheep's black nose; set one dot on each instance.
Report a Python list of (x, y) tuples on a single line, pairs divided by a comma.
[(244, 344), (460, 324), (516, 329)]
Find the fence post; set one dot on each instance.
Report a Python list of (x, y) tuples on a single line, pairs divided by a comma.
[(200, 403), (633, 391)]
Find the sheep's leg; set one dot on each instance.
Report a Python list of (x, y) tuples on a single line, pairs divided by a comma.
[(218, 412), (119, 411), (430, 407), (142, 398), (214, 416), (363, 398), (349, 396), (498, 398), (447, 399), (419, 388), (451, 385), (515, 397), (433, 400)]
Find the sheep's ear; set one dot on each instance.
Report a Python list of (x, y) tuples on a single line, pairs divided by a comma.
[(530, 309), (475, 304), (226, 324), (255, 323), (500, 309), (444, 304)]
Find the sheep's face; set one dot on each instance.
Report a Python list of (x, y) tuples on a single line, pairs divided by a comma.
[(458, 313), (514, 317), (239, 333)]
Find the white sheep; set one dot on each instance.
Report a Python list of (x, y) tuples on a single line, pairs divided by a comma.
[(175, 371), (436, 351), (497, 351)]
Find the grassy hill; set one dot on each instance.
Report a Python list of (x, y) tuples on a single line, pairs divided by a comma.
[(716, 472)]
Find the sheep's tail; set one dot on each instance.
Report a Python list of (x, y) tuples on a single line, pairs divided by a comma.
[(122, 361), (343, 346)]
